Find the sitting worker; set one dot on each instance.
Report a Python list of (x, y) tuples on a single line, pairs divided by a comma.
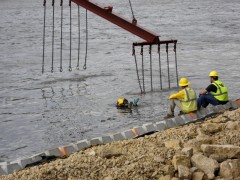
[(185, 100), (216, 93)]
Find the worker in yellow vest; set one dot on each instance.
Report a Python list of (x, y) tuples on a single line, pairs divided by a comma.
[(216, 93), (185, 100)]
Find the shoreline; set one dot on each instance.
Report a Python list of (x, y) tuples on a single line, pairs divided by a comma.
[(148, 157)]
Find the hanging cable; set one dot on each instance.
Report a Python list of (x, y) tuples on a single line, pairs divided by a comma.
[(150, 53), (175, 51), (168, 66), (53, 1), (135, 58), (70, 55), (78, 37), (44, 27), (141, 53), (160, 66), (134, 19), (61, 4), (85, 63)]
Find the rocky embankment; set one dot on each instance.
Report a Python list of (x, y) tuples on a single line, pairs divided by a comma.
[(208, 150)]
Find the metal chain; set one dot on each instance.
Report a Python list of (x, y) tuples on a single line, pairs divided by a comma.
[(160, 66), (78, 37), (53, 1), (150, 53), (85, 63), (175, 51), (44, 27), (135, 58), (70, 55), (168, 66), (61, 4), (141, 53)]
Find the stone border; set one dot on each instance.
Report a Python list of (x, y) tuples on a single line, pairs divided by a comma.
[(63, 151)]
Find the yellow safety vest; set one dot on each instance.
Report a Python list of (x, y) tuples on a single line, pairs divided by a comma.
[(189, 103), (222, 91)]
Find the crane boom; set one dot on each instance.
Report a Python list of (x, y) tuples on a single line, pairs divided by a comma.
[(106, 13)]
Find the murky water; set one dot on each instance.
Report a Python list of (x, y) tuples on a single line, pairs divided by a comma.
[(39, 112)]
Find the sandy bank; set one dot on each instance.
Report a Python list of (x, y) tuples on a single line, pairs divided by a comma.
[(208, 150)]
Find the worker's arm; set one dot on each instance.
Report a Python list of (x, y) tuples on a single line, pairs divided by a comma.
[(203, 92), (210, 88), (179, 95)]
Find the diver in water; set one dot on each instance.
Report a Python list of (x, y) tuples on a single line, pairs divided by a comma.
[(123, 103)]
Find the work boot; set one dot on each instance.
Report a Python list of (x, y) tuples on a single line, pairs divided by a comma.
[(180, 113), (168, 116)]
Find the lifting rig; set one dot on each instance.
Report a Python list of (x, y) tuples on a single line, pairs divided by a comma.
[(130, 26)]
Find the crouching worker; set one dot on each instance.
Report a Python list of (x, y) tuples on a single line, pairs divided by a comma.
[(123, 103), (185, 100), (216, 93)]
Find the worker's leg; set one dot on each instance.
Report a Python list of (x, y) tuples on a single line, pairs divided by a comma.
[(173, 104), (205, 100)]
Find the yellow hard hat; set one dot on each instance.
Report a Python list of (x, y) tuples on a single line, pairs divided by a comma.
[(213, 73), (183, 82), (120, 101)]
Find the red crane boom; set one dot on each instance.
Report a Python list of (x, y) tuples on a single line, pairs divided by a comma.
[(106, 13)]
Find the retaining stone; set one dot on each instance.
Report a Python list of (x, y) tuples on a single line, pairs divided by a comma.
[(118, 137), (149, 127), (160, 126), (170, 123), (234, 104), (210, 110), (96, 141), (186, 118), (139, 131), (179, 121), (13, 167), (2, 172), (227, 106), (83, 144), (23, 162), (71, 148), (219, 108), (53, 152), (107, 139), (128, 134)]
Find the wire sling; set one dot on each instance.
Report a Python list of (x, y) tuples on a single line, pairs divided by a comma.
[(78, 37), (44, 27), (135, 58), (168, 66), (132, 11), (150, 53), (141, 53), (175, 52), (61, 4), (160, 66), (70, 54), (53, 1), (85, 62)]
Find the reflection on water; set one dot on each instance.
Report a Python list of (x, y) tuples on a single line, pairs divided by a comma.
[(39, 112)]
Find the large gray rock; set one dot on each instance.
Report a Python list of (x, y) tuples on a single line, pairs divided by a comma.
[(232, 125), (184, 172), (225, 151), (198, 141), (181, 160), (211, 127), (207, 165), (197, 176), (173, 144), (230, 169)]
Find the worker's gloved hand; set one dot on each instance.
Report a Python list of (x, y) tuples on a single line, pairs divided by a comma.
[(135, 101)]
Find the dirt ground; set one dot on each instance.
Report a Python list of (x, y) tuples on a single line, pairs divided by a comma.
[(148, 157)]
